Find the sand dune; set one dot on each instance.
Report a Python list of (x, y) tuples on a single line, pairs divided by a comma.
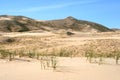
[(76, 68), (68, 69)]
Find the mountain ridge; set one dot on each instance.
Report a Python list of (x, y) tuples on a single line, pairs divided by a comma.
[(10, 23)]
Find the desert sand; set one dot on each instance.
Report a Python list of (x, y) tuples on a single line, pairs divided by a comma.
[(67, 69), (76, 68)]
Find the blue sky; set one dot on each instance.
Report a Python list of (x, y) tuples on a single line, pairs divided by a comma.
[(106, 12)]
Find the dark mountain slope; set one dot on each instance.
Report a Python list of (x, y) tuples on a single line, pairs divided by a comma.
[(21, 23), (79, 25)]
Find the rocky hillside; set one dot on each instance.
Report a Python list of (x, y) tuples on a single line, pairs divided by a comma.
[(21, 24), (17, 23), (78, 25)]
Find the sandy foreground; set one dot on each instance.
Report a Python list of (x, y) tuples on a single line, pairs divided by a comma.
[(68, 69)]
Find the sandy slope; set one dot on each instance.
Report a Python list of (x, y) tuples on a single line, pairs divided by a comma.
[(46, 40), (68, 69)]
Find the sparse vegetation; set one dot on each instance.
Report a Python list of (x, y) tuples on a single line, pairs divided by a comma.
[(6, 54), (117, 56), (31, 54), (48, 47), (89, 54), (54, 62), (3, 54), (103, 49)]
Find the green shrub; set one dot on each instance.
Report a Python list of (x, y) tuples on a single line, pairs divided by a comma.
[(89, 54), (65, 53), (3, 54), (31, 54), (117, 56), (54, 62)]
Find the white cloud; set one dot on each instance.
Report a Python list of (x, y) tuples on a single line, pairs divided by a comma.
[(50, 7), (57, 6)]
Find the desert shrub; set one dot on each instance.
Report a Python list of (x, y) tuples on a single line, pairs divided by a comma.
[(110, 55), (54, 62), (48, 59), (37, 56), (43, 62), (69, 33), (21, 53), (89, 54), (6, 53), (7, 40), (3, 54), (10, 56), (100, 56), (116, 56), (64, 53), (103, 49), (31, 54)]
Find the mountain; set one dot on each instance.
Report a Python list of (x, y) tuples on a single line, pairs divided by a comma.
[(21, 23), (16, 23), (116, 29), (78, 25)]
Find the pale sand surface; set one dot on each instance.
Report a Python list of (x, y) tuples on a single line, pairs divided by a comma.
[(15, 34), (68, 69)]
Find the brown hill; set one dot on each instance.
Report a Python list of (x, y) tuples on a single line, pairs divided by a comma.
[(78, 25), (21, 23), (17, 23)]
